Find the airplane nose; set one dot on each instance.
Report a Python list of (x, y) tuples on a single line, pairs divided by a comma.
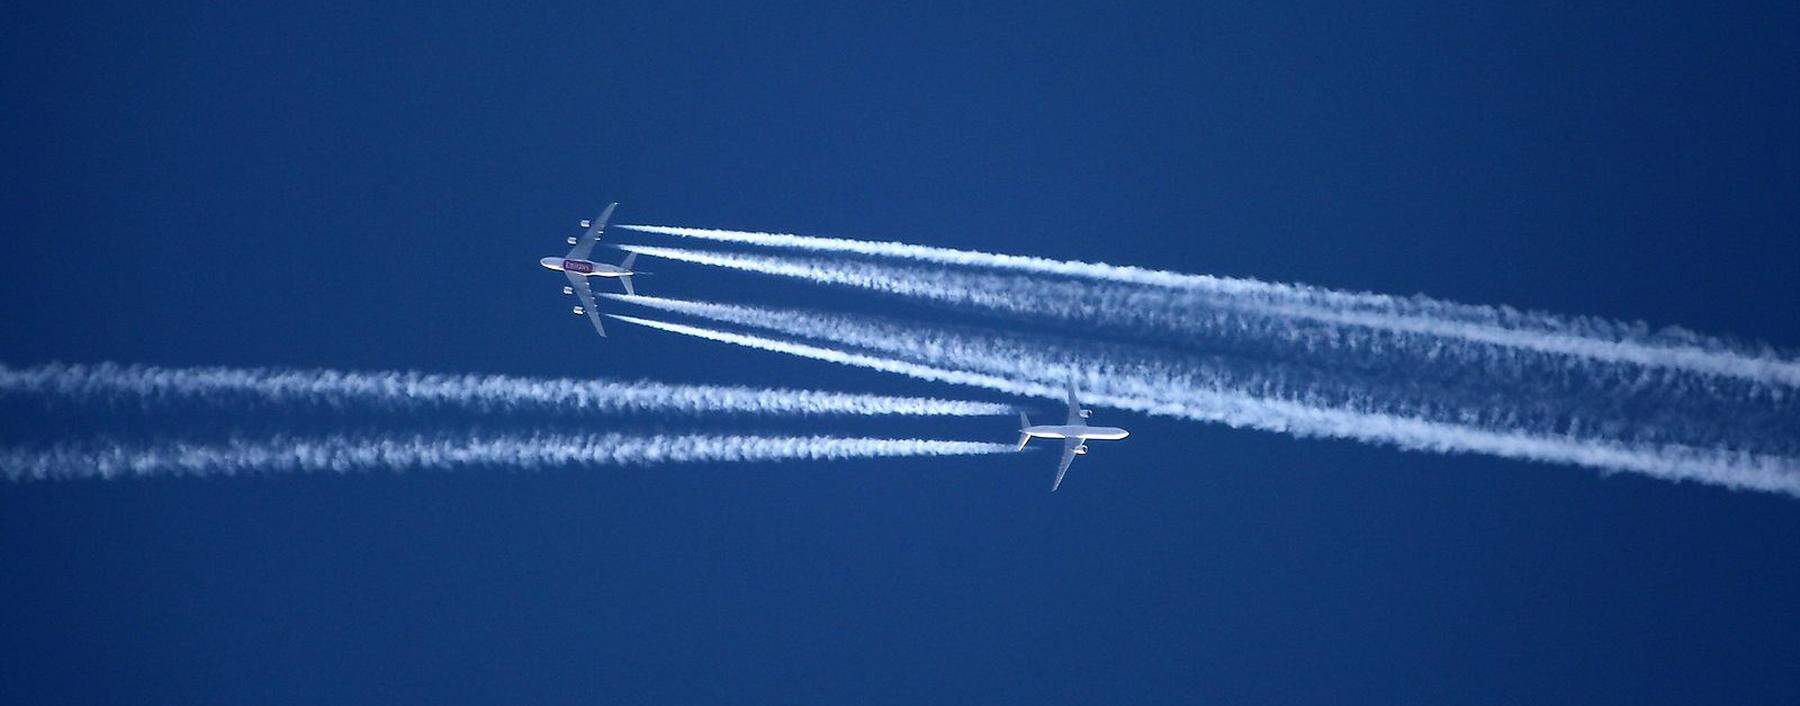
[(548, 263)]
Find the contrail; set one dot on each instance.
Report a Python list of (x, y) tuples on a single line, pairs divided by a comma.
[(345, 454), (1145, 389), (1207, 323), (922, 372), (1156, 373), (1602, 340), (482, 393)]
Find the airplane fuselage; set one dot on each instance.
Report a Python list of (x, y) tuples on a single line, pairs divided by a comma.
[(585, 268), (1075, 431)]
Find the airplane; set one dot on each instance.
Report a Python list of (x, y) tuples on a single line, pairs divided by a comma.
[(578, 268), (1074, 432)]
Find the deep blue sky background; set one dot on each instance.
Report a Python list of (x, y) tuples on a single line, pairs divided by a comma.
[(368, 188)]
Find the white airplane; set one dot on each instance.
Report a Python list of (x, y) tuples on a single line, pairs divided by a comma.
[(1075, 432), (578, 268)]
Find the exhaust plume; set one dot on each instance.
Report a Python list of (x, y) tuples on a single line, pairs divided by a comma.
[(1148, 382), (346, 454), (479, 393), (1598, 339)]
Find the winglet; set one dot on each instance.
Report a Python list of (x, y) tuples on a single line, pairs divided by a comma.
[(605, 216)]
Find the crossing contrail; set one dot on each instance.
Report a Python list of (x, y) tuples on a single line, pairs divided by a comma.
[(1150, 387), (1598, 339), (1161, 373), (345, 454), (482, 393)]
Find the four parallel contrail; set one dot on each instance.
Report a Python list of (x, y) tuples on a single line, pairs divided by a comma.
[(1598, 339), (484, 393), (1147, 385), (345, 454), (1203, 323)]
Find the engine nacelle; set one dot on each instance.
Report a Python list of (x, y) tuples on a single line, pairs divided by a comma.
[(572, 240), (1086, 413), (578, 311), (587, 224), (568, 291), (1081, 450)]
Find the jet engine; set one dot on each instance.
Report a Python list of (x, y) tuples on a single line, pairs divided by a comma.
[(572, 240), (586, 224), (568, 291), (1086, 412), (1081, 450), (578, 311)]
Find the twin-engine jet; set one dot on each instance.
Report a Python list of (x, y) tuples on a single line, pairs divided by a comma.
[(578, 268), (1074, 432)]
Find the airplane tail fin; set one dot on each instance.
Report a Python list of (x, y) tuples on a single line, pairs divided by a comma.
[(625, 279), (1024, 423)]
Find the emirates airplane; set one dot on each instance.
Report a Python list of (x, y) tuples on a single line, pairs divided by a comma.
[(578, 268), (1074, 432)]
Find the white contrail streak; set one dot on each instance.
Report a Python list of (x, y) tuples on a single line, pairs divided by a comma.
[(971, 258), (1594, 338), (1122, 386), (342, 454), (486, 393), (1221, 326), (1107, 305), (1156, 374), (922, 372)]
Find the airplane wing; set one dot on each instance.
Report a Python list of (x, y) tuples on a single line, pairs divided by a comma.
[(580, 285), (1074, 409), (586, 244), (1069, 446)]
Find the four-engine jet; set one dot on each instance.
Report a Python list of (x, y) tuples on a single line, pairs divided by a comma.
[(578, 268), (1074, 432)]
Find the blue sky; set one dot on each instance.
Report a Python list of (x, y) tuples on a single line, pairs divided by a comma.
[(368, 188)]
